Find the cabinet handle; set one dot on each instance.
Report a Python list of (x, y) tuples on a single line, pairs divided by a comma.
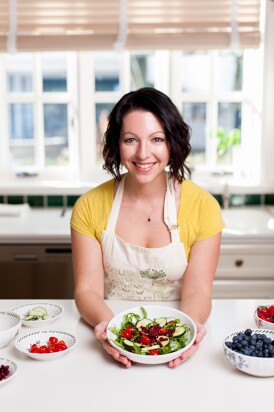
[(238, 262), (25, 257)]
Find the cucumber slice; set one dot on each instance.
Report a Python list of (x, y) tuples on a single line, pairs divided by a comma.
[(27, 317), (129, 343), (143, 323), (149, 348), (163, 340), (38, 311), (161, 321), (179, 330)]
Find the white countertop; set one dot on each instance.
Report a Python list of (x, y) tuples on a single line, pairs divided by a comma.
[(49, 225), (87, 379)]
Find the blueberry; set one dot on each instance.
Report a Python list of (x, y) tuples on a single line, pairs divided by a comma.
[(248, 332)]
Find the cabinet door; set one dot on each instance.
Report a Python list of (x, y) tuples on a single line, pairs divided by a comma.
[(246, 262)]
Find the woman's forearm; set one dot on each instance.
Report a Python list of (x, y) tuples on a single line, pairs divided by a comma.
[(197, 306), (92, 307)]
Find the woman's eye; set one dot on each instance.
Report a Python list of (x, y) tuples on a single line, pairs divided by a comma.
[(129, 140), (158, 139)]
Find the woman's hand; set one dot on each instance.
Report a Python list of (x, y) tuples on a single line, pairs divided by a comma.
[(100, 333), (201, 332)]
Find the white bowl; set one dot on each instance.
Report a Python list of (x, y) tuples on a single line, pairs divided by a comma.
[(55, 311), (152, 313), (251, 365), (10, 324), (262, 324), (12, 369), (41, 337)]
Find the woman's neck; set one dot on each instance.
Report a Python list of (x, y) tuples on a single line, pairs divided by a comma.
[(145, 190)]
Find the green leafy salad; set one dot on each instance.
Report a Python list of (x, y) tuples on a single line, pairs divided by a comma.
[(144, 336)]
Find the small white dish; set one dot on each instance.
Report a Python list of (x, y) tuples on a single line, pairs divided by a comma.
[(12, 369), (41, 337), (10, 325), (54, 311), (152, 313), (261, 323)]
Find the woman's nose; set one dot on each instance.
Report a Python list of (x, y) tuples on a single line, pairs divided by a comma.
[(143, 150)]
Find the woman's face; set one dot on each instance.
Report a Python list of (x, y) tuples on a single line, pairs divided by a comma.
[(144, 149)]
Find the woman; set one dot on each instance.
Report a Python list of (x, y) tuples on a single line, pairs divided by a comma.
[(147, 234)]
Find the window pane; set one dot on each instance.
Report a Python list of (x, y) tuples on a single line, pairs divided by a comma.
[(229, 118), (195, 116), (102, 113), (107, 71), (56, 134), (229, 71), (54, 70), (19, 72), (142, 70), (195, 69), (21, 141), (229, 115)]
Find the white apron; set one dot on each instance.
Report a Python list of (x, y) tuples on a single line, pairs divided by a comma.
[(138, 273)]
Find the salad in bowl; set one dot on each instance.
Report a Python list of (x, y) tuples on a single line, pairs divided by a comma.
[(151, 334)]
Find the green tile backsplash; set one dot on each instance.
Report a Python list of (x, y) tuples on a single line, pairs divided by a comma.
[(55, 201), (15, 200), (235, 200), (35, 201)]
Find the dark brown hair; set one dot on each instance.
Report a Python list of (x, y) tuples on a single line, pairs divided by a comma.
[(176, 130)]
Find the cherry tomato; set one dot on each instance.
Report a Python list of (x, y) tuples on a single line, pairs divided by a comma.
[(128, 332), (43, 349), (34, 349), (145, 340), (154, 352), (162, 331), (53, 340)]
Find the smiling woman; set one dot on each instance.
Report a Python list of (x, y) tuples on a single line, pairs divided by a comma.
[(126, 238)]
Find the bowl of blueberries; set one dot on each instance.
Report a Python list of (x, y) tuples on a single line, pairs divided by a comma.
[(251, 351)]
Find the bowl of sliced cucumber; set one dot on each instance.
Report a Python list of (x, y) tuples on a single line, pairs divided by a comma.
[(151, 334), (38, 314)]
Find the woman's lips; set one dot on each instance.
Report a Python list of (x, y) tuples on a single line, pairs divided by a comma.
[(143, 167)]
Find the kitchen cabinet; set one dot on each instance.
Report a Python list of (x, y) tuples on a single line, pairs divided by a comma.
[(246, 264), (35, 256)]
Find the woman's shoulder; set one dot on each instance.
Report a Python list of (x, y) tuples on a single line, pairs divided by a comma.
[(100, 192), (193, 190)]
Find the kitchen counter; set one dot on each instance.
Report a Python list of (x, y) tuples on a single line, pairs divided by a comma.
[(88, 379), (52, 225), (39, 225)]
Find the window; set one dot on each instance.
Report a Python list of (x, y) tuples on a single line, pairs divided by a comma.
[(38, 133), (56, 105)]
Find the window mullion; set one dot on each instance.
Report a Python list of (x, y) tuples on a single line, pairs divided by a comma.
[(38, 113)]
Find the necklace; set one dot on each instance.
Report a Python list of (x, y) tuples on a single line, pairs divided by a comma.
[(153, 210)]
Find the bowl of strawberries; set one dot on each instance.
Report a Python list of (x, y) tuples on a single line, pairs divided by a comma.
[(264, 316)]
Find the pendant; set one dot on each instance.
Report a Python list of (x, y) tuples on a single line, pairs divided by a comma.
[(148, 219)]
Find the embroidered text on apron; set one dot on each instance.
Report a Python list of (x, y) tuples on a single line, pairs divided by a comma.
[(138, 273)]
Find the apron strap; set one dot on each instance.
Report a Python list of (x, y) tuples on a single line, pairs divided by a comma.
[(170, 212), (116, 206)]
